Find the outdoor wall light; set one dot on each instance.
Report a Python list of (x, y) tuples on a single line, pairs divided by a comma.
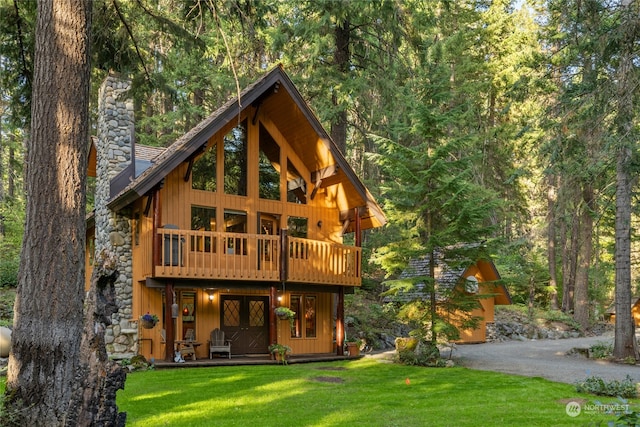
[(320, 224), (210, 297)]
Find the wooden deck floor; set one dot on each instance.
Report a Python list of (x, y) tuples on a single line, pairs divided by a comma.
[(260, 359)]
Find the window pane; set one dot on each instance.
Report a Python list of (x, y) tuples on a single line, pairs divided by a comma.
[(235, 161), (296, 185), (235, 222), (296, 327), (269, 166), (203, 219), (310, 316), (297, 226), (203, 175)]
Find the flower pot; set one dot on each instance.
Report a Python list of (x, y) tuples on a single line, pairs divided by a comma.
[(147, 324), (353, 349)]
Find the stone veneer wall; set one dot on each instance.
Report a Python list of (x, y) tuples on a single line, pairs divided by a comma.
[(113, 230)]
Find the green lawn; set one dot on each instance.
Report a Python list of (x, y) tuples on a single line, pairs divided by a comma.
[(371, 394), (350, 393)]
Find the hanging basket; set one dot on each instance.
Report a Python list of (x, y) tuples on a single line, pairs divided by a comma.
[(284, 313), (147, 324)]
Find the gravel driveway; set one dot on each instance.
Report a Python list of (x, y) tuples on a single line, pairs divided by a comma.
[(543, 358)]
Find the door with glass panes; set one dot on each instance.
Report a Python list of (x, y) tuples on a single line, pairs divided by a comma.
[(245, 322)]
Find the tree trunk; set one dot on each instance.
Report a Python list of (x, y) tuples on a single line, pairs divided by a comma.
[(341, 61), (625, 344), (551, 242), (569, 266), (581, 294), (98, 379), (49, 303)]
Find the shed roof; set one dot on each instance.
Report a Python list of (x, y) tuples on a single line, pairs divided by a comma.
[(449, 275)]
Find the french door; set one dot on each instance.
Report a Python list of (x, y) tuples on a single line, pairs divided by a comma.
[(245, 322)]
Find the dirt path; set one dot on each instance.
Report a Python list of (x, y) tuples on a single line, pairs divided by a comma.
[(543, 358)]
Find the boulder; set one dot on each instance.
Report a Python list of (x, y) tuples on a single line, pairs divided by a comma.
[(5, 341)]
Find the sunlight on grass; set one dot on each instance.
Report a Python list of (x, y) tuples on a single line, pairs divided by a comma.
[(364, 392), (155, 395), (358, 393)]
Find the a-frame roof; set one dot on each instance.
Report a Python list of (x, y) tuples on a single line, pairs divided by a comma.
[(280, 102)]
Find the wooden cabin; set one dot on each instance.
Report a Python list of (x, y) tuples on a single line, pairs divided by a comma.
[(610, 313), (246, 212), (479, 278)]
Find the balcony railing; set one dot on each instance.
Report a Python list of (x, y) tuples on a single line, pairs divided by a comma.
[(239, 256)]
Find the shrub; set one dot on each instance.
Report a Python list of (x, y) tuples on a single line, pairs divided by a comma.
[(9, 272), (600, 350), (422, 354), (598, 386)]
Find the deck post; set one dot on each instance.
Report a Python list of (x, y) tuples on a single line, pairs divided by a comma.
[(358, 228), (273, 324), (156, 224), (168, 322), (340, 323)]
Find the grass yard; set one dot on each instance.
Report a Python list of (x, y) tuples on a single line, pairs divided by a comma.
[(350, 393)]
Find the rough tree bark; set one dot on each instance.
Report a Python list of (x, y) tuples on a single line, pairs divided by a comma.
[(341, 61), (98, 378), (581, 293), (48, 310), (551, 242), (625, 345)]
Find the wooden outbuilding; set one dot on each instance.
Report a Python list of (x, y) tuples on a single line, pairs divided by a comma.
[(244, 213), (635, 312), (479, 278)]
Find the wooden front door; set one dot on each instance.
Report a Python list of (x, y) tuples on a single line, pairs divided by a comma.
[(245, 322)]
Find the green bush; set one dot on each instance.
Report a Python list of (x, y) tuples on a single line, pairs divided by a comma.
[(9, 272), (600, 350), (418, 353), (598, 386)]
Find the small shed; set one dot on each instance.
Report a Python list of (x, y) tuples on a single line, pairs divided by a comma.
[(478, 277)]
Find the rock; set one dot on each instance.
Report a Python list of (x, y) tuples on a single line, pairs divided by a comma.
[(5, 341)]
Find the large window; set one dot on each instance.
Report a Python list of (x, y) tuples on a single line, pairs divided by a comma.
[(235, 222), (296, 185), (269, 166), (305, 322), (203, 219), (235, 161), (203, 175)]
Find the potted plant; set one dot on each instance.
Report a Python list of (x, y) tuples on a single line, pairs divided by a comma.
[(285, 313), (280, 352), (353, 347), (148, 321)]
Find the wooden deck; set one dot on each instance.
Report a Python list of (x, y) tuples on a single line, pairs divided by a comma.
[(240, 256)]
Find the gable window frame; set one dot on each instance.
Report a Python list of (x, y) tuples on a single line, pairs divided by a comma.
[(204, 172)]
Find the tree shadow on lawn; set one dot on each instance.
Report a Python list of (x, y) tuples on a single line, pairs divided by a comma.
[(383, 394)]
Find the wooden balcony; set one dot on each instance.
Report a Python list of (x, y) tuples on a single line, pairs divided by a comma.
[(239, 256)]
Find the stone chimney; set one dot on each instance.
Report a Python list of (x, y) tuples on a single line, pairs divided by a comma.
[(114, 152)]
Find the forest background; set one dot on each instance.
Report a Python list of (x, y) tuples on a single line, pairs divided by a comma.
[(512, 123)]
